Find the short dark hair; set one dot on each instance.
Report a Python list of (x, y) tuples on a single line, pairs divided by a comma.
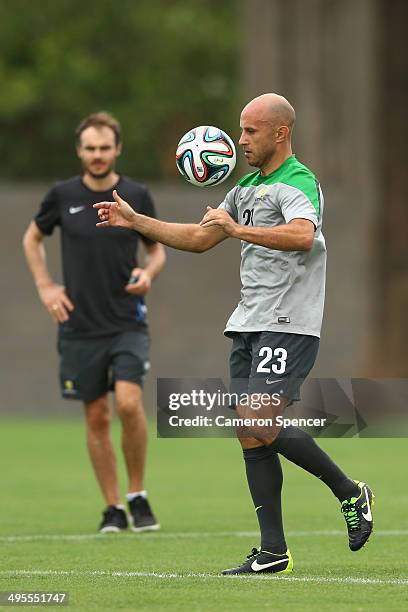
[(100, 119)]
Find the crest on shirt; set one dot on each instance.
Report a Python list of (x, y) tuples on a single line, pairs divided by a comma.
[(261, 192)]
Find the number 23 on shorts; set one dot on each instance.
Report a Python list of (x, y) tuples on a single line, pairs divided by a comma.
[(278, 354)]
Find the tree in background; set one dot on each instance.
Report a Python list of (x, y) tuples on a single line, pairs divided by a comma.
[(161, 67)]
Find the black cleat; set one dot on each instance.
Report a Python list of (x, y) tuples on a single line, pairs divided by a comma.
[(142, 517), (358, 516), (114, 520), (263, 562)]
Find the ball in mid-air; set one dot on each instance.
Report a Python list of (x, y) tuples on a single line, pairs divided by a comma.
[(205, 156)]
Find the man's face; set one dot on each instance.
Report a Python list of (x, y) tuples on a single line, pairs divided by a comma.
[(98, 151), (258, 139)]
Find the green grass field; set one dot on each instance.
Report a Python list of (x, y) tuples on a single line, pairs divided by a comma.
[(51, 508)]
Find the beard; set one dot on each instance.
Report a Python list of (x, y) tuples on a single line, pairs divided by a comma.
[(262, 159), (98, 175)]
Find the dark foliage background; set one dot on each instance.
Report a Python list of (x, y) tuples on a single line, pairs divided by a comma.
[(161, 67)]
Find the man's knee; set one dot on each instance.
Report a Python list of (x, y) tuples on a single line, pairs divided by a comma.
[(128, 400), (98, 416), (128, 407), (259, 421), (249, 442), (255, 431)]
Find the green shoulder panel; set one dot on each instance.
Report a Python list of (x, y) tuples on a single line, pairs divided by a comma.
[(291, 173), (300, 177)]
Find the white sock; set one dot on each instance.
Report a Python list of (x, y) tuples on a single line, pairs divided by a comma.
[(131, 496), (120, 506)]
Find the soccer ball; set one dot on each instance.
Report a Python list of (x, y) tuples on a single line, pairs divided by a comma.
[(205, 156)]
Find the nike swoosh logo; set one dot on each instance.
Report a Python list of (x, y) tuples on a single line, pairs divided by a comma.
[(258, 508), (367, 515), (270, 382), (75, 209), (256, 567)]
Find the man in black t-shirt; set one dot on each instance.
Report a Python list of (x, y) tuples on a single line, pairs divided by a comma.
[(103, 336)]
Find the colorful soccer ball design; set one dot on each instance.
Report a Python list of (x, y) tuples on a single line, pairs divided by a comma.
[(205, 156)]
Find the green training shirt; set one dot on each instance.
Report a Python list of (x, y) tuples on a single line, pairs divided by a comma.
[(281, 291)]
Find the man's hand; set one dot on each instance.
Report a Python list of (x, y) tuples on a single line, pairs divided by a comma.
[(143, 283), (220, 217), (116, 214), (56, 301)]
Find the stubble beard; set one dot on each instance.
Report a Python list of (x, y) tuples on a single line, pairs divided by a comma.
[(261, 160), (98, 175), (265, 161)]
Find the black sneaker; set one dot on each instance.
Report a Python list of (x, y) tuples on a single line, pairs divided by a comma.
[(358, 516), (114, 520), (141, 515), (262, 562)]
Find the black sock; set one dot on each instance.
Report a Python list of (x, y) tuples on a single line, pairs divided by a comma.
[(300, 448), (264, 474)]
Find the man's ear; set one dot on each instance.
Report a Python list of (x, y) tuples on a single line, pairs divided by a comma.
[(118, 149), (282, 133)]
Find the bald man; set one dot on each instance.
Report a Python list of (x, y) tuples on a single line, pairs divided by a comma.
[(276, 213)]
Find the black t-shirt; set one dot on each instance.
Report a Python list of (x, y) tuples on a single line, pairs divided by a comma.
[(97, 263)]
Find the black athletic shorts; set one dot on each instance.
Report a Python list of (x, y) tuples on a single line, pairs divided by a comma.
[(271, 362), (90, 367)]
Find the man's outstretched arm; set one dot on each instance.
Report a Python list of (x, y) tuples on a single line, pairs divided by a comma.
[(297, 235), (183, 236)]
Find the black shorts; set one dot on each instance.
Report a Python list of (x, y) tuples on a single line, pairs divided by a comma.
[(90, 367), (271, 362)]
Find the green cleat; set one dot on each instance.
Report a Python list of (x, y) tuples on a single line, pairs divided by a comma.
[(358, 516)]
